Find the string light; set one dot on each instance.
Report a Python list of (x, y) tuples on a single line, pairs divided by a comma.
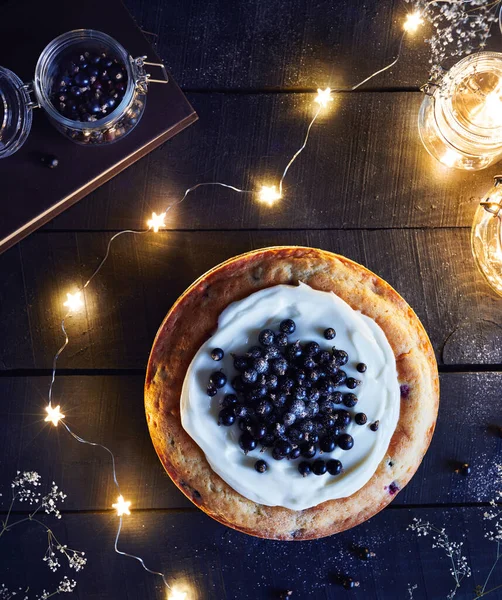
[(74, 302), (122, 506), (323, 97), (413, 22), (269, 195), (156, 222), (54, 415)]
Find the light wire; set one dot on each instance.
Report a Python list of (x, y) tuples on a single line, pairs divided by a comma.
[(140, 232)]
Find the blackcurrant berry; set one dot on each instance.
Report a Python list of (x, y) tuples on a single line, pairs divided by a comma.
[(217, 354)]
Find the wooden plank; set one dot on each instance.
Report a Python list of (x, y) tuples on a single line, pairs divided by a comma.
[(212, 562), (432, 269), (109, 410), (284, 44), (247, 140)]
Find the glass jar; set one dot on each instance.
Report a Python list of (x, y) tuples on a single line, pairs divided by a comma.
[(99, 128), (486, 236), (460, 120)]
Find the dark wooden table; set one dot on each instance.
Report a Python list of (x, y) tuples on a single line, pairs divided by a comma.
[(365, 188)]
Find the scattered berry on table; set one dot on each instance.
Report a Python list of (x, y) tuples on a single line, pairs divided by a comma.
[(285, 594), (50, 161), (329, 333), (365, 554), (217, 354), (349, 583), (464, 469), (260, 466)]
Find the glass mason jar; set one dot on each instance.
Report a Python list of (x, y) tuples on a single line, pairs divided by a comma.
[(19, 99), (486, 236), (460, 120)]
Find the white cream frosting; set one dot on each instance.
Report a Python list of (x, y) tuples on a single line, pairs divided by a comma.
[(379, 397)]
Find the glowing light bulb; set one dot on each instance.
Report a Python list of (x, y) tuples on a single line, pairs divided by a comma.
[(413, 22), (268, 194), (122, 506), (156, 222), (74, 302), (323, 97), (54, 415), (175, 594), (450, 157)]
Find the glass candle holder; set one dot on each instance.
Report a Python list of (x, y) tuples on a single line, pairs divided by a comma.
[(486, 236), (460, 120)]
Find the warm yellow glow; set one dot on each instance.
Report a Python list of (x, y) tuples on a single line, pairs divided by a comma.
[(176, 594), (491, 111), (54, 415), (450, 157), (122, 506), (156, 222), (74, 302), (413, 22), (269, 195), (323, 97)]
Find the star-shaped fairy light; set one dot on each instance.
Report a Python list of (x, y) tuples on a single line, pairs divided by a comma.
[(323, 97), (122, 506), (157, 221), (54, 415), (413, 22), (268, 194), (74, 302)]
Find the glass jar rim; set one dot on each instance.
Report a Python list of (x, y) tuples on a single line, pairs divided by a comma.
[(66, 40)]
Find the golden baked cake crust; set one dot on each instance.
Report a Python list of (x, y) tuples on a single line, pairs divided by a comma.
[(192, 320)]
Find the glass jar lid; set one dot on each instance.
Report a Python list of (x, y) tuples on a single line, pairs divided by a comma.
[(15, 113)]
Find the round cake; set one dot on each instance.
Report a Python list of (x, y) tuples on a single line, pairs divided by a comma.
[(291, 393)]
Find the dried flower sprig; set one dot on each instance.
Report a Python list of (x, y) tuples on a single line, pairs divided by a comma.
[(24, 489), (459, 566), (494, 534), (65, 586), (460, 27)]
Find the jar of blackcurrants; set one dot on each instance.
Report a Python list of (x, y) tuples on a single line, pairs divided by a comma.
[(92, 90)]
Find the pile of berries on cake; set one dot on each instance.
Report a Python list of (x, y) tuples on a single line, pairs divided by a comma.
[(291, 396)]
